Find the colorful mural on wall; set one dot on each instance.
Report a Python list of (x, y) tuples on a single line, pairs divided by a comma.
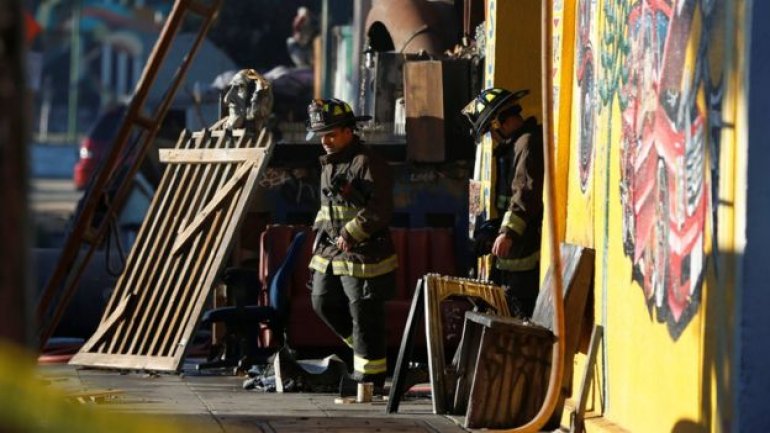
[(659, 59), (586, 81)]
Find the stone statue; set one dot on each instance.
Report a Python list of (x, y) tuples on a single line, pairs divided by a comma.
[(244, 111)]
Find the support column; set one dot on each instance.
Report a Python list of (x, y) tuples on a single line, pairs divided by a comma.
[(15, 292)]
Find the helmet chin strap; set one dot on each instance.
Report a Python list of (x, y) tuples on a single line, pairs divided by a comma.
[(497, 127), (499, 132)]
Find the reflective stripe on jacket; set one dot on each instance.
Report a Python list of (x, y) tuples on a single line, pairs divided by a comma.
[(360, 211), (524, 214)]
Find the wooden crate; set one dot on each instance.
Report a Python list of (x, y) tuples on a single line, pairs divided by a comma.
[(506, 365), (438, 289), (435, 92)]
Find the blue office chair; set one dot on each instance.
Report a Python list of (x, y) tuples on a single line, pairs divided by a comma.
[(243, 320)]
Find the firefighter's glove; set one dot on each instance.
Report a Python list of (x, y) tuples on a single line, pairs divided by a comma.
[(484, 237)]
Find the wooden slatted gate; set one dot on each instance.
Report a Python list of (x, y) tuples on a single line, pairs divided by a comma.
[(182, 245)]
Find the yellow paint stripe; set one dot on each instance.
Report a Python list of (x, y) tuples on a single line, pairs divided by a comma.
[(364, 270)]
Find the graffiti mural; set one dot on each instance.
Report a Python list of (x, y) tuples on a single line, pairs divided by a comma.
[(296, 185), (669, 108), (586, 81)]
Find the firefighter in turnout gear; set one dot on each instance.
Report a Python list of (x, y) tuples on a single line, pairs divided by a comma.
[(354, 260), (518, 154)]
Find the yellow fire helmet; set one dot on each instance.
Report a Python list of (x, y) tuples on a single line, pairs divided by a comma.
[(484, 108)]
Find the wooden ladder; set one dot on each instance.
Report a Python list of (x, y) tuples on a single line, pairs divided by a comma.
[(88, 232)]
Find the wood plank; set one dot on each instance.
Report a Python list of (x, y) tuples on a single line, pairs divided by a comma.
[(424, 96), (109, 322), (125, 361), (171, 289), (577, 271), (235, 219), (577, 418), (213, 178), (416, 310), (156, 266), (209, 156), (511, 377), (184, 235), (466, 365)]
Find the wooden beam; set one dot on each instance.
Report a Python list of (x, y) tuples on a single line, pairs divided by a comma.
[(207, 156), (184, 236), (106, 324), (577, 417)]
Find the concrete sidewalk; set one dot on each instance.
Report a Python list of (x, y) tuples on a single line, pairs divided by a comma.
[(218, 403)]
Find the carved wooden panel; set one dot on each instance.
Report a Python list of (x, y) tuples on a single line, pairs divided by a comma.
[(438, 289)]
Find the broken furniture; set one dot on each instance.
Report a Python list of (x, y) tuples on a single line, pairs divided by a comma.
[(419, 251), (504, 364), (439, 289), (244, 322), (431, 292), (182, 246), (504, 369)]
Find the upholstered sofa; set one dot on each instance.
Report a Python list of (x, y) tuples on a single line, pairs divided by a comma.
[(420, 251)]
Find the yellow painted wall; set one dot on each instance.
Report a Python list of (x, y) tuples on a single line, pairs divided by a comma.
[(513, 49), (664, 365)]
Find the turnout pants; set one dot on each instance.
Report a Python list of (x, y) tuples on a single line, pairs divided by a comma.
[(521, 290), (354, 308)]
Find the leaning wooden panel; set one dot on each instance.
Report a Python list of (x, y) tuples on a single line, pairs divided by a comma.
[(181, 247), (437, 289), (510, 373), (155, 264)]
